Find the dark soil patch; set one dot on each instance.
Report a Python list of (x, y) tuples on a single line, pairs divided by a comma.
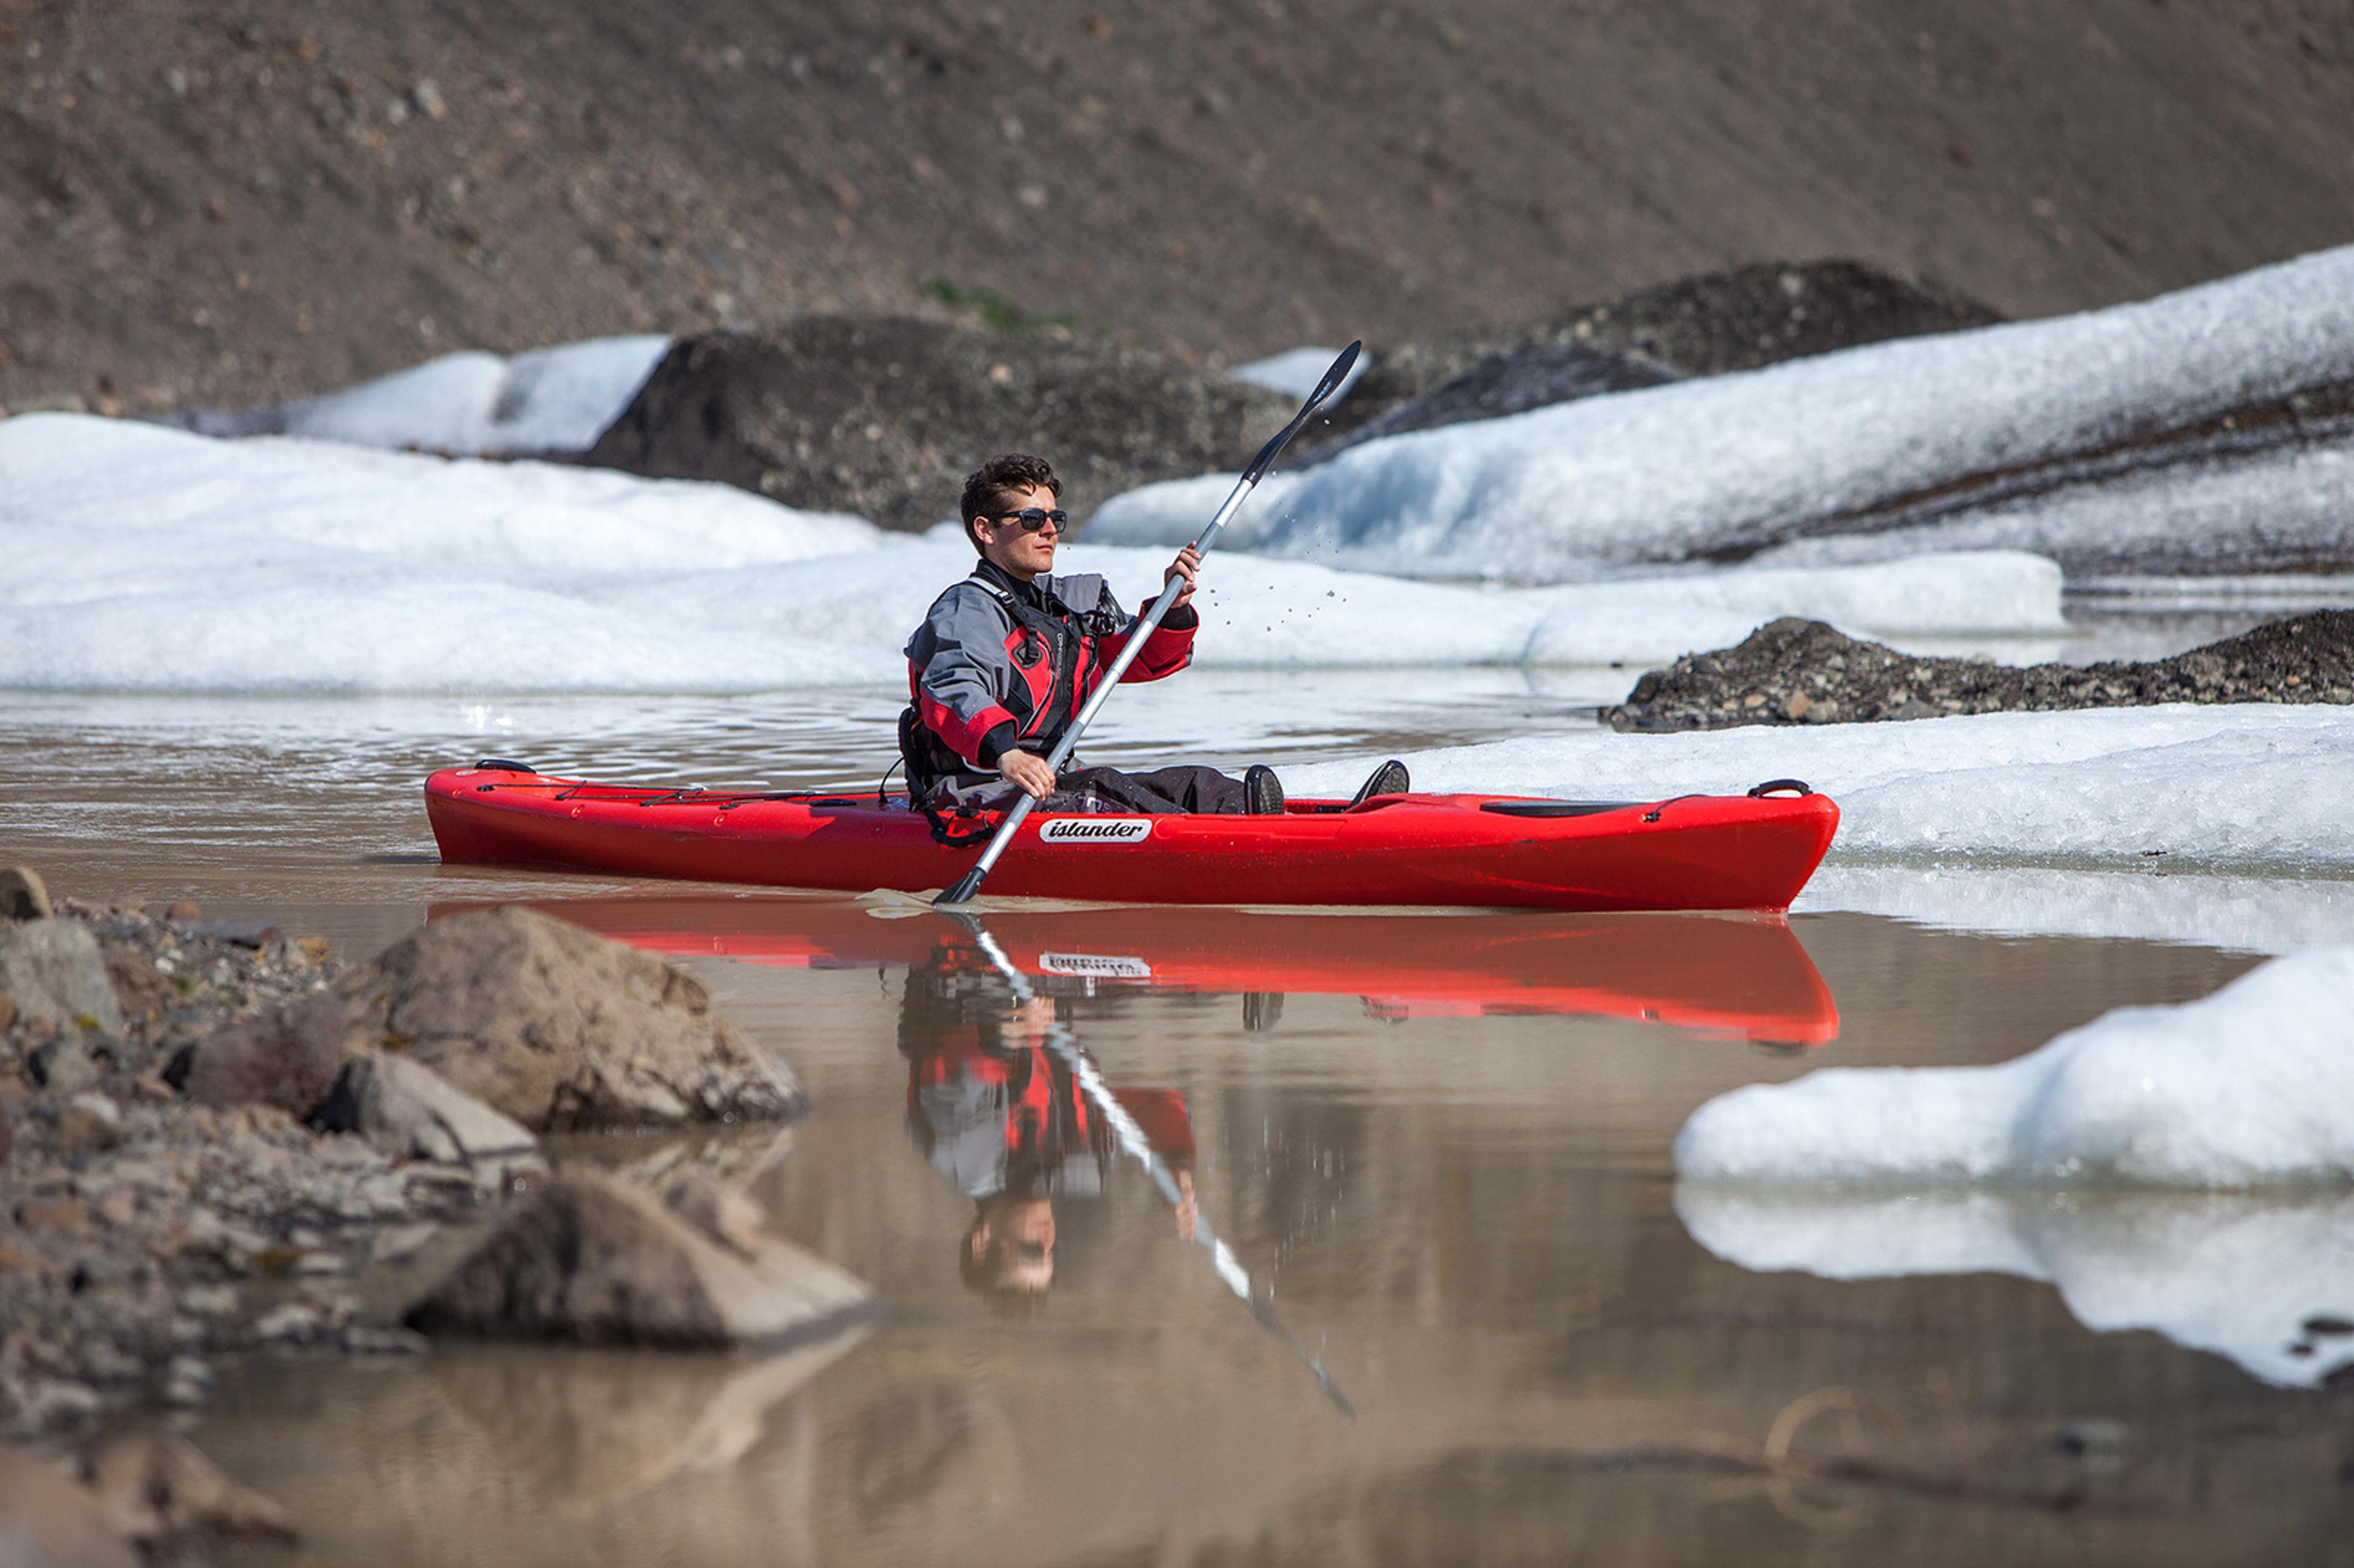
[(1802, 671), (885, 415)]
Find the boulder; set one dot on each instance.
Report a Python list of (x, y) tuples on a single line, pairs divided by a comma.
[(23, 895), (160, 1493), (289, 1058), (559, 1028), (63, 1066), (53, 970), (595, 1261), (87, 1124), (412, 1112), (884, 416), (47, 1517), (140, 988)]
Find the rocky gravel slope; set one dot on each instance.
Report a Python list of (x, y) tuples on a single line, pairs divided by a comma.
[(219, 207)]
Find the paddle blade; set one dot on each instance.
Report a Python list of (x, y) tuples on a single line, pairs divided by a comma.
[(966, 886), (1337, 374), (1333, 377)]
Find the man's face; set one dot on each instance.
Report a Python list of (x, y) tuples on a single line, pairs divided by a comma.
[(1022, 1234), (1014, 548)]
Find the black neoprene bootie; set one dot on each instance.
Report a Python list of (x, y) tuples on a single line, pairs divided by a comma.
[(1262, 792), (1389, 779)]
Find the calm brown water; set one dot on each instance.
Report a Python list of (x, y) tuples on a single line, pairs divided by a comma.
[(1438, 1145)]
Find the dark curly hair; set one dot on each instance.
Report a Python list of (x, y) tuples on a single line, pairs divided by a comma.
[(990, 487)]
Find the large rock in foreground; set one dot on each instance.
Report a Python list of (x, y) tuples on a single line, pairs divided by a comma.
[(559, 1028), (596, 1261), (884, 416), (412, 1112), (1802, 671)]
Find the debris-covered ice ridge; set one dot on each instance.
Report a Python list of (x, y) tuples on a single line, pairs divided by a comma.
[(1777, 457)]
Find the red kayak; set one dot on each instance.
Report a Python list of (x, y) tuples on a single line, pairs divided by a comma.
[(1744, 976), (1688, 851)]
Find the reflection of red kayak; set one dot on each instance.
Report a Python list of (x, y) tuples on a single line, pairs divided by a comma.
[(1739, 975), (1693, 851)]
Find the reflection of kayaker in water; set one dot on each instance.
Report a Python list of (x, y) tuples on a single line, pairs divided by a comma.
[(997, 1112)]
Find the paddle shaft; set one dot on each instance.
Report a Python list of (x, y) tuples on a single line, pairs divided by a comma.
[(1145, 626)]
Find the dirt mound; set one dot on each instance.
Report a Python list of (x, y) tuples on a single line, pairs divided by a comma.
[(885, 415), (1705, 325), (209, 205), (1802, 671)]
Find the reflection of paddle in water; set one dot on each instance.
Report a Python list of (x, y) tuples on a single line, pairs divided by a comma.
[(1132, 1140)]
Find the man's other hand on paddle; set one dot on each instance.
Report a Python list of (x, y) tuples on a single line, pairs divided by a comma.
[(1028, 769), (1188, 562)]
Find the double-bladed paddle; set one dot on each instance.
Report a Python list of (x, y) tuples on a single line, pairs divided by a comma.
[(1146, 624)]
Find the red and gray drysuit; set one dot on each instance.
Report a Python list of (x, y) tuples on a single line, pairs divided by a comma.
[(1001, 664)]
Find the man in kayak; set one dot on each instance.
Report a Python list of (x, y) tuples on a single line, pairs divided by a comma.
[(1006, 658)]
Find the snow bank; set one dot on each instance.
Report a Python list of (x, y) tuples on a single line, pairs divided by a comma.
[(2243, 788), (145, 558), (1295, 371), (2239, 1275), (2272, 511), (2251, 1087), (1265, 612), (1174, 511), (1668, 472), (553, 400), (2240, 914)]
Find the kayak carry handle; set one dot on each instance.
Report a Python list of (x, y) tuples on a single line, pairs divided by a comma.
[(1780, 787), (501, 765)]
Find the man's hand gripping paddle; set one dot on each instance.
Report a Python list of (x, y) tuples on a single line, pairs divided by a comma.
[(968, 885)]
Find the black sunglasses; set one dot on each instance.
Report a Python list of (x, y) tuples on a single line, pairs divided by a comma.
[(1032, 519)]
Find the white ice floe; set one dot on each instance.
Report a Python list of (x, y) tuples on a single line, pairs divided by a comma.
[(552, 400), (2250, 1088), (1295, 371), (2240, 1274), (2238, 788), (2071, 1164), (1671, 473), (1172, 513), (2267, 510), (2240, 914), (145, 558)]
